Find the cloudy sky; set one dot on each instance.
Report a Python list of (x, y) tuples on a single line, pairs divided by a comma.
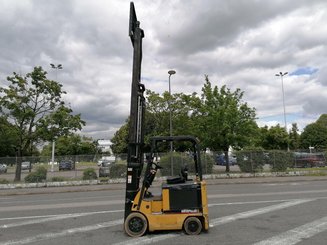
[(240, 43)]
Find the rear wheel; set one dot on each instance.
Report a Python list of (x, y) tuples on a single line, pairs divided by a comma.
[(135, 224), (192, 226)]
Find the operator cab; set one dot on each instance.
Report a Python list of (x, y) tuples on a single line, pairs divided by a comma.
[(181, 178), (180, 192)]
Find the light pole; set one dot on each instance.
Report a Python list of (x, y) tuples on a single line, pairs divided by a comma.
[(56, 67), (171, 72), (281, 75)]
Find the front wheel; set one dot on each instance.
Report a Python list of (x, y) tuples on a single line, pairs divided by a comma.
[(192, 226), (136, 224)]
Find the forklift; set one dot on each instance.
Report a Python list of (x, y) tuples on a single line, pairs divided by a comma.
[(182, 202)]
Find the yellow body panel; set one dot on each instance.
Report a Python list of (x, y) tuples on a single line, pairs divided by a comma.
[(205, 204), (156, 206), (154, 209), (165, 200)]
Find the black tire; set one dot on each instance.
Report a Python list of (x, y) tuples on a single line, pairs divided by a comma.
[(192, 226), (135, 224)]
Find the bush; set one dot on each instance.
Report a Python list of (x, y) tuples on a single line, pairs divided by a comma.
[(39, 175), (58, 179), (251, 160), (117, 171), (4, 181), (181, 159), (207, 162), (279, 160), (89, 174)]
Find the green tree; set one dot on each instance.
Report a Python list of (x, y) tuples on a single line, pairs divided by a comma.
[(157, 113), (34, 104), (157, 118), (274, 138), (8, 138), (120, 139), (315, 134), (322, 120), (73, 144), (294, 137), (224, 120)]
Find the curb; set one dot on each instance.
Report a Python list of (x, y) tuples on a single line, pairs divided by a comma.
[(264, 174), (59, 184)]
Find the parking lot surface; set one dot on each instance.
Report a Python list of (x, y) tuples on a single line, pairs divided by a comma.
[(265, 212)]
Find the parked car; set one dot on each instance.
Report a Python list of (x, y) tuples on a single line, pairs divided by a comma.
[(220, 160), (104, 169), (3, 168), (66, 165), (26, 166), (106, 158), (309, 160)]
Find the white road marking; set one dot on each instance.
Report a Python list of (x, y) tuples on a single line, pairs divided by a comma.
[(60, 205), (281, 184), (149, 239), (219, 221), (242, 203), (46, 236), (266, 193), (60, 199), (251, 213), (47, 218), (54, 218), (114, 202), (54, 215), (298, 234)]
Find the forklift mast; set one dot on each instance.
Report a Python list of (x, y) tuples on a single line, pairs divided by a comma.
[(136, 118), (182, 202)]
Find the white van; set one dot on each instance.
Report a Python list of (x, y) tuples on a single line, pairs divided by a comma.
[(26, 165)]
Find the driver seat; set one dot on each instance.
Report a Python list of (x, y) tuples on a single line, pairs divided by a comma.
[(181, 178)]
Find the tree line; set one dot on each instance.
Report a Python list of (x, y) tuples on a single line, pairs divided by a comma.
[(221, 119), (32, 111)]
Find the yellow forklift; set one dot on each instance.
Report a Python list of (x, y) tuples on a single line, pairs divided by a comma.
[(182, 202)]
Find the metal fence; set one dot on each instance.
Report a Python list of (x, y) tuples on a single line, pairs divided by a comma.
[(275, 160), (212, 163)]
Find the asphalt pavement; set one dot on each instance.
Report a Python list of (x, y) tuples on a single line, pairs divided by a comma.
[(244, 211)]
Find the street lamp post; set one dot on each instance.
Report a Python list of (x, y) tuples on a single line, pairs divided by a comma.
[(56, 67), (281, 75), (171, 72)]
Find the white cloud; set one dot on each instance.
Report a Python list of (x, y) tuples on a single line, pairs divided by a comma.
[(238, 43)]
